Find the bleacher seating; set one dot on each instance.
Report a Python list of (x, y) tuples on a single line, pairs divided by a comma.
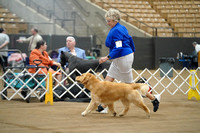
[(183, 16), (173, 16), (11, 22)]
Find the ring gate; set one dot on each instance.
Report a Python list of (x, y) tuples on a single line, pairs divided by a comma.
[(184, 81)]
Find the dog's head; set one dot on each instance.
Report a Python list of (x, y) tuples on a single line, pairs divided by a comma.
[(84, 78), (64, 57)]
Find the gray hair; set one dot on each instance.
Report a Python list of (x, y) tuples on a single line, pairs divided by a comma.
[(71, 38), (194, 43), (113, 14)]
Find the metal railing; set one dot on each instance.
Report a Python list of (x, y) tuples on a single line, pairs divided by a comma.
[(50, 13), (139, 23)]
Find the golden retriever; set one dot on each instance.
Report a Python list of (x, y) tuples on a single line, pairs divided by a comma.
[(107, 93)]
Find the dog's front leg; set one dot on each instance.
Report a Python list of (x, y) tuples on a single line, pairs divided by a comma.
[(111, 108), (126, 107), (89, 108)]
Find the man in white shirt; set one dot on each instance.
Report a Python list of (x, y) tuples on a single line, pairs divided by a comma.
[(32, 40), (4, 40)]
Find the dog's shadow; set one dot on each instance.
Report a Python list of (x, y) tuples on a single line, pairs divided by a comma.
[(97, 115)]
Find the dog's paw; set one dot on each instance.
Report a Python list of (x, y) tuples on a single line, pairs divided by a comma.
[(121, 115), (114, 114), (148, 116), (83, 113)]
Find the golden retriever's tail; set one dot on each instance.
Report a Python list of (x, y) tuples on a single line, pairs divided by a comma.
[(141, 87)]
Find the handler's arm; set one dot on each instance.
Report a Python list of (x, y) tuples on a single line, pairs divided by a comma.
[(115, 44), (103, 59), (132, 44)]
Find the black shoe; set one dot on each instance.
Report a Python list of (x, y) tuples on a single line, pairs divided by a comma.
[(100, 108), (24, 93), (155, 104)]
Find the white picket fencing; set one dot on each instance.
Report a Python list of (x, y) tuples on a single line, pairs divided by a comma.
[(34, 84)]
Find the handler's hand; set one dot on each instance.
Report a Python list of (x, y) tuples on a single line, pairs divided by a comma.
[(57, 64), (103, 59)]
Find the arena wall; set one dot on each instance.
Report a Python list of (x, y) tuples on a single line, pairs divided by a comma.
[(149, 50)]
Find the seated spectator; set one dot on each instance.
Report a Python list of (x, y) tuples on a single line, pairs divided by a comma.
[(70, 47), (39, 53)]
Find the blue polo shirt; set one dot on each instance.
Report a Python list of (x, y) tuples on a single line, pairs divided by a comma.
[(119, 42), (79, 53)]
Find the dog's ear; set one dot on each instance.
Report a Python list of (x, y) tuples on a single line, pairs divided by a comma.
[(86, 78), (89, 75), (62, 59), (62, 55)]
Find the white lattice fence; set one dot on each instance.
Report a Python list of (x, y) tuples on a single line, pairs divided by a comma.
[(30, 84), (179, 81), (34, 84)]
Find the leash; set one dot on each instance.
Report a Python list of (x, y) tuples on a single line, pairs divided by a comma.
[(99, 64), (59, 68), (96, 68)]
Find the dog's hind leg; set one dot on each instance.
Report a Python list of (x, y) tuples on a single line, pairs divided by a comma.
[(126, 104), (111, 108), (143, 106), (92, 105)]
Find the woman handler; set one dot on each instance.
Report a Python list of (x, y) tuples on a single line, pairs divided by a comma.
[(122, 50)]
